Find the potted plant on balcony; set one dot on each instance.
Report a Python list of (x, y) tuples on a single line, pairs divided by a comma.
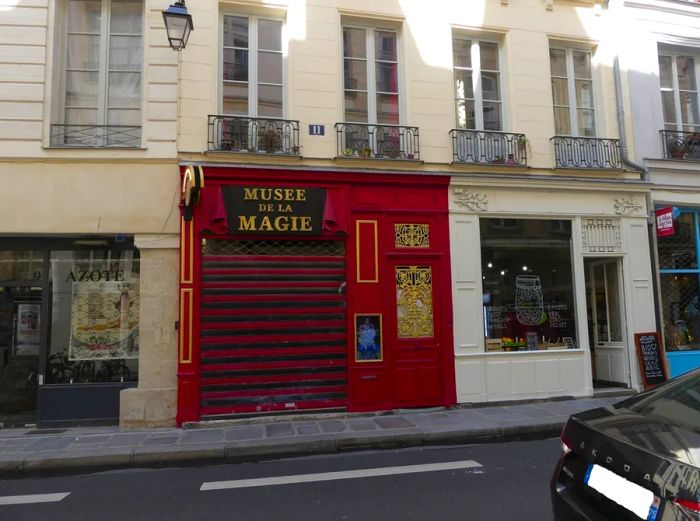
[(523, 144), (392, 151), (366, 152), (348, 152), (692, 146), (676, 147), (269, 140)]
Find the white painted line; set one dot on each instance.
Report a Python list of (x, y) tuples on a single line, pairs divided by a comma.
[(345, 474), (32, 498)]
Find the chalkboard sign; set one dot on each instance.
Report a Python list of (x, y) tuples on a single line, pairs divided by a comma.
[(651, 359)]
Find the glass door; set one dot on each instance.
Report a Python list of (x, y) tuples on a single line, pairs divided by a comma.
[(20, 346), (606, 320)]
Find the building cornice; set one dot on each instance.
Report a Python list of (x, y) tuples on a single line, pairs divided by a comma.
[(666, 6)]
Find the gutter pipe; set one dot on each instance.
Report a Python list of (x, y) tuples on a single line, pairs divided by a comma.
[(645, 178)]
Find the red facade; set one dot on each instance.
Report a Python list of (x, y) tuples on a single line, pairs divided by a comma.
[(314, 290)]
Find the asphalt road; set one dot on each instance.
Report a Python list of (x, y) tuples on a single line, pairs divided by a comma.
[(506, 481)]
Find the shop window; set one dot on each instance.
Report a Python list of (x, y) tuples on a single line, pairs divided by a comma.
[(94, 317), (414, 301), (572, 92), (678, 251), (21, 265), (679, 287), (477, 84), (252, 71), (528, 293)]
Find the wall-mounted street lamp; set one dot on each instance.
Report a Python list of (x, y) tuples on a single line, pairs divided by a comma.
[(178, 24)]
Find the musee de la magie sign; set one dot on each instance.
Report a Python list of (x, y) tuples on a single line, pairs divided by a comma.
[(274, 210)]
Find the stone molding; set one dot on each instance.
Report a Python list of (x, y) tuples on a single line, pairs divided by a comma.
[(474, 201)]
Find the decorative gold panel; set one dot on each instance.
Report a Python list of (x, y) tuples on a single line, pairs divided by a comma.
[(412, 235), (414, 301)]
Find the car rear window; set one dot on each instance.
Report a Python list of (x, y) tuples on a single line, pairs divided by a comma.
[(676, 403)]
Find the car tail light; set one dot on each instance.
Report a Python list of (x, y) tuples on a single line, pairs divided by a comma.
[(565, 448), (689, 506)]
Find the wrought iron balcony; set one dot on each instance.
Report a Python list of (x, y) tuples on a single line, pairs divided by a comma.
[(488, 147), (680, 145), (244, 134), (377, 141), (586, 152), (97, 136)]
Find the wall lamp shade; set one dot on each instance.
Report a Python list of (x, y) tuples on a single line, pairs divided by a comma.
[(178, 24)]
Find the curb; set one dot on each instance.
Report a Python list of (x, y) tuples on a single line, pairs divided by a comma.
[(66, 462)]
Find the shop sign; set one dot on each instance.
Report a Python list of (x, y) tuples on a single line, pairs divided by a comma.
[(665, 226), (274, 210)]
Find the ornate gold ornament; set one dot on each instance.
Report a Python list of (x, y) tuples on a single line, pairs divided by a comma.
[(192, 183), (414, 301), (412, 235)]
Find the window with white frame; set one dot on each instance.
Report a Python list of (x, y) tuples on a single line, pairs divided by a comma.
[(252, 72), (678, 75), (371, 75), (102, 72), (477, 84), (572, 92)]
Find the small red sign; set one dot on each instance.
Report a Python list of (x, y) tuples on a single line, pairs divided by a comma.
[(665, 226)]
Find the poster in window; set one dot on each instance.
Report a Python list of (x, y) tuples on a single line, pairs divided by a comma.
[(368, 337), (104, 320), (27, 329)]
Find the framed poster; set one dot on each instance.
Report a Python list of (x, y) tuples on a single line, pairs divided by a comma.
[(104, 320), (368, 337), (27, 329)]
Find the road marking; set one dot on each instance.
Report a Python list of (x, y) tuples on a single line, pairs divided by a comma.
[(345, 474), (33, 498)]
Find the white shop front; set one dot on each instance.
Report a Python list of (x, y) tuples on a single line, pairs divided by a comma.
[(550, 282)]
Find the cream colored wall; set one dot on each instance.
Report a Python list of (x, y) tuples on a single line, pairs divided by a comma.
[(84, 197), (314, 66), (483, 376)]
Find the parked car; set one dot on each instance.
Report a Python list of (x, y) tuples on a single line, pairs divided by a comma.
[(638, 459)]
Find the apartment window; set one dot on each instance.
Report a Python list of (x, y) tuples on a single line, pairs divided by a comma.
[(477, 84), (371, 75), (572, 92), (252, 67), (679, 92), (103, 62)]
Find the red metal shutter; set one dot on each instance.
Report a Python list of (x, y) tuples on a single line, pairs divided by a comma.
[(273, 330)]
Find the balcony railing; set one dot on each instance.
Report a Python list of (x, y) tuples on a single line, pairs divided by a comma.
[(586, 152), (377, 141), (97, 136), (488, 147), (680, 145), (244, 134)]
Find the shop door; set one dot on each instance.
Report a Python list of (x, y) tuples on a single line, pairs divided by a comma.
[(606, 322), (272, 327), (20, 342), (416, 335)]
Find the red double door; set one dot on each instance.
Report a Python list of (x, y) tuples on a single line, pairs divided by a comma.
[(411, 296)]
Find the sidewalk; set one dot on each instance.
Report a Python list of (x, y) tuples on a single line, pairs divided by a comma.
[(99, 448)]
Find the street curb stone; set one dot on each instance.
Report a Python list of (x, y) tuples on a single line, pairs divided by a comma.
[(183, 453), (249, 442)]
